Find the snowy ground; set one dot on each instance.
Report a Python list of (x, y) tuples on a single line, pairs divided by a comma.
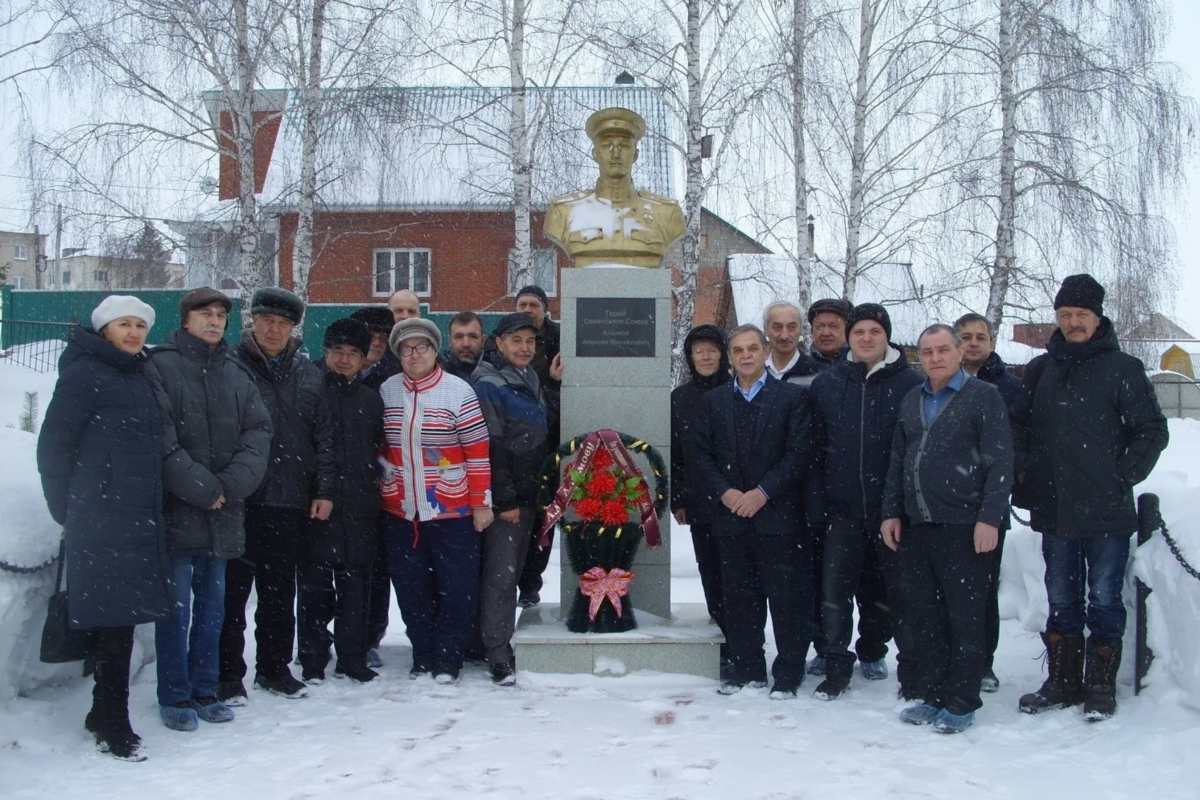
[(639, 736)]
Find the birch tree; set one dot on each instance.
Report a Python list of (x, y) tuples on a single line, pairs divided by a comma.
[(705, 56), (332, 53), (150, 61), (1085, 143)]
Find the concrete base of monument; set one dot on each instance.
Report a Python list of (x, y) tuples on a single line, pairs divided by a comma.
[(687, 644)]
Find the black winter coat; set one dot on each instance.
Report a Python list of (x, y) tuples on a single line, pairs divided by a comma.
[(302, 467), (100, 457), (780, 453), (455, 366), (350, 537), (853, 418), (1087, 429), (518, 429), (995, 372), (217, 436), (688, 489), (381, 370)]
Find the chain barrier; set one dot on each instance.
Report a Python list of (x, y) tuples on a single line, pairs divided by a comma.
[(1188, 568), (19, 570)]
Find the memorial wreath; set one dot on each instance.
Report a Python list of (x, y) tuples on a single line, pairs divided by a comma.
[(605, 490)]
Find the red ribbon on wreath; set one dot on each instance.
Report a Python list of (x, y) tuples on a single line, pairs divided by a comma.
[(600, 585), (610, 440)]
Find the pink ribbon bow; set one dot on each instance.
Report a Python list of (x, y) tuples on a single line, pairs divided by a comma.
[(599, 585)]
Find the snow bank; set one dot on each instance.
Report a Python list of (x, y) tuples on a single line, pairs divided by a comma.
[(1174, 605)]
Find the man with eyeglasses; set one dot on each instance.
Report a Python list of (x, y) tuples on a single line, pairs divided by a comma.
[(436, 488)]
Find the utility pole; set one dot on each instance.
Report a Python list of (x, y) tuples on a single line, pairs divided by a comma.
[(38, 266), (58, 243)]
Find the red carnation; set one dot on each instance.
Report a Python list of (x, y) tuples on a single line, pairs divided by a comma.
[(613, 512), (602, 459), (588, 509), (601, 484)]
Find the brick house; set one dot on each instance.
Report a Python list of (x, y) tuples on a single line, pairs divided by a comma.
[(415, 194)]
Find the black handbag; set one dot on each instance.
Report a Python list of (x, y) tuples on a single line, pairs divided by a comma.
[(61, 643)]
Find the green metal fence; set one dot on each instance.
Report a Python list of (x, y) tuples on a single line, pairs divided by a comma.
[(33, 305)]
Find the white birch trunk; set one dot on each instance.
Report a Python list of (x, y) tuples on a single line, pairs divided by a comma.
[(858, 158), (302, 253), (522, 169), (693, 198), (1006, 218), (243, 132), (799, 158)]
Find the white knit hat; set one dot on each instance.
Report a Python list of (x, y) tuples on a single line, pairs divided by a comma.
[(116, 306)]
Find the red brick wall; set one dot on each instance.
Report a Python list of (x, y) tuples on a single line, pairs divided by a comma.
[(468, 259), (229, 179)]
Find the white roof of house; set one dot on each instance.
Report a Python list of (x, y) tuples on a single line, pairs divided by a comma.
[(757, 280), (409, 147)]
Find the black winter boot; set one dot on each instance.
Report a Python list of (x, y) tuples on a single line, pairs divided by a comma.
[(110, 712), (1064, 684), (1100, 683)]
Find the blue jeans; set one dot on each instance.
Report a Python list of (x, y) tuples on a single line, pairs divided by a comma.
[(188, 664), (1100, 561), (435, 571)]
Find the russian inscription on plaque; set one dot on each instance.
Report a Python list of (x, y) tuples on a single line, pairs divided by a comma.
[(620, 327)]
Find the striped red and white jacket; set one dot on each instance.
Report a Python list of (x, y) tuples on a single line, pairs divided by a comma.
[(449, 447)]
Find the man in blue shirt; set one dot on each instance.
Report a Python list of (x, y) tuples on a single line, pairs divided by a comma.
[(751, 453)]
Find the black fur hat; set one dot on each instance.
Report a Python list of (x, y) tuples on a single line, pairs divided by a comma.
[(378, 318), (280, 302), (348, 331)]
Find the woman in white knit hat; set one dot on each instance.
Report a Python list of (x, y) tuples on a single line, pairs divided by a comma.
[(100, 457)]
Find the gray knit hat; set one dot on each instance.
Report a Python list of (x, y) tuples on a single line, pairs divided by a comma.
[(410, 328)]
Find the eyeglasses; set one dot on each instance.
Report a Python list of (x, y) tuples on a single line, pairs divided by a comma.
[(418, 349)]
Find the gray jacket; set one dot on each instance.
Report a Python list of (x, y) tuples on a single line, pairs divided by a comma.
[(956, 469), (217, 435)]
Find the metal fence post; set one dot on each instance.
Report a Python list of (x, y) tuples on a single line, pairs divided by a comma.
[(1149, 521)]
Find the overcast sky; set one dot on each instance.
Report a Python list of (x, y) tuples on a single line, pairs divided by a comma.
[(1183, 47)]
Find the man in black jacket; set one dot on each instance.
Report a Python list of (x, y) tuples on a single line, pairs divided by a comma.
[(783, 322), (464, 346), (827, 322), (299, 486), (854, 408), (510, 397), (708, 362), (950, 475), (752, 449), (979, 359), (1088, 429), (218, 435), (381, 362), (335, 555)]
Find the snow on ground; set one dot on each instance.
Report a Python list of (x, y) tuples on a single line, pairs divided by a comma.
[(639, 736)]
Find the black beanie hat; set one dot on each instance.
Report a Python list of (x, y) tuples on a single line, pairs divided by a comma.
[(378, 318), (537, 292), (1081, 291), (829, 306), (280, 302), (869, 311), (199, 298), (348, 331)]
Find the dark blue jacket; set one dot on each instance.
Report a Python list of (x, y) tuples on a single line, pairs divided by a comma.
[(853, 418), (518, 427), (995, 372), (688, 490), (780, 452), (100, 456)]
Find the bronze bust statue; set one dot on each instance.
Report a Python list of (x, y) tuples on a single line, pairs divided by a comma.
[(614, 224)]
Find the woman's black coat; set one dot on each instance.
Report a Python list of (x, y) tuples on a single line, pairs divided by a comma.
[(100, 457)]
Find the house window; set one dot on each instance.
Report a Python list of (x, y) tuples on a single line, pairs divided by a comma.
[(101, 276), (18, 282), (544, 269), (402, 269), (22, 253), (66, 278)]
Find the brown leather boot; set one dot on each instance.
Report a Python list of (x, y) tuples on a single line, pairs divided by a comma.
[(1100, 683), (1064, 684)]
